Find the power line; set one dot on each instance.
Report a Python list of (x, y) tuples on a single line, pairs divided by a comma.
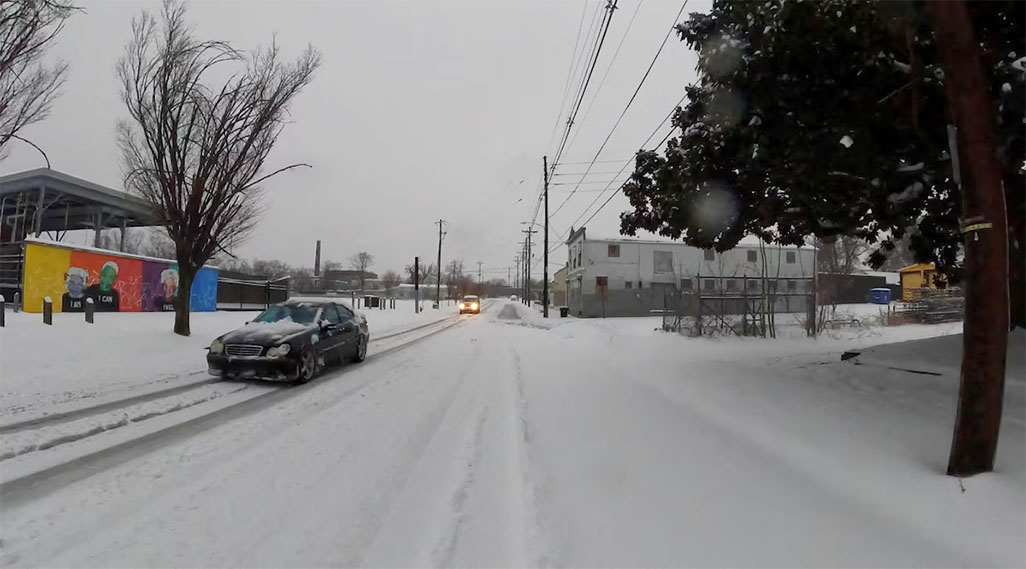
[(626, 164), (579, 173), (586, 80), (608, 68), (586, 162), (573, 65), (633, 97)]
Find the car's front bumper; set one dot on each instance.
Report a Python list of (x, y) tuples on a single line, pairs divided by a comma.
[(237, 367)]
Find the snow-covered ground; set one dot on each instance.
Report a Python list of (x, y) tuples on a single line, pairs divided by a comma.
[(509, 440), (48, 369)]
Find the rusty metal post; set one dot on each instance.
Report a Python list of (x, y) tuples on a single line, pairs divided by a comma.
[(48, 311), (90, 310)]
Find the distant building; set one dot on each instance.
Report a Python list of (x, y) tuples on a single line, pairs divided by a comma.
[(557, 288), (347, 279), (630, 277), (919, 276)]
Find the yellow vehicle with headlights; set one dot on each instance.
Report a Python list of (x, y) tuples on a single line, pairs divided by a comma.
[(470, 304)]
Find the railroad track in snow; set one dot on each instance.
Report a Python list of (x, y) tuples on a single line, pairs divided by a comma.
[(32, 486), (135, 400)]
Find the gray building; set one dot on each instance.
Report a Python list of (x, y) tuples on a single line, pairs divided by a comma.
[(631, 277)]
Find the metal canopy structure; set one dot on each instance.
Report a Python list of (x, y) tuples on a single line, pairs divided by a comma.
[(44, 200), (41, 201)]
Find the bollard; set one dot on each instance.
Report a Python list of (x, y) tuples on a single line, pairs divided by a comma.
[(90, 309), (3, 311), (48, 311), (17, 302)]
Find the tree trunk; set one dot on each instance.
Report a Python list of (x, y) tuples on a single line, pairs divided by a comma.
[(183, 301), (978, 418)]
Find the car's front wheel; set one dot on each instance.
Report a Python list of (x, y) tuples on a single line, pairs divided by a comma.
[(361, 350), (307, 366)]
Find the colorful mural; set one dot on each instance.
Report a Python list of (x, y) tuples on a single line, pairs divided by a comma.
[(116, 283)]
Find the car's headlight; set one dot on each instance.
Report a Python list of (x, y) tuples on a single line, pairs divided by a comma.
[(473, 306), (279, 351), (462, 306), (217, 347)]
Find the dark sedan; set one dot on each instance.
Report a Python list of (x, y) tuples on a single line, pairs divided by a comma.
[(292, 341)]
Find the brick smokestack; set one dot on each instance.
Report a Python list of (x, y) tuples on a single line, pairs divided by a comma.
[(317, 260)]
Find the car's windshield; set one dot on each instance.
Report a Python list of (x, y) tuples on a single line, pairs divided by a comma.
[(303, 314)]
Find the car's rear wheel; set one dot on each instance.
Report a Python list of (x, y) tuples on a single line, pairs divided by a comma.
[(361, 350), (307, 366)]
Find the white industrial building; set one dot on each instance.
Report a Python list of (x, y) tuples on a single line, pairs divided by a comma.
[(629, 277)]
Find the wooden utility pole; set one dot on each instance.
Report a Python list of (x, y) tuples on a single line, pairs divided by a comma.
[(516, 280), (985, 331), (530, 235), (438, 278), (545, 268), (416, 285)]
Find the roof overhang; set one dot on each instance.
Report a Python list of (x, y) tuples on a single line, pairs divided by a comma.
[(73, 203)]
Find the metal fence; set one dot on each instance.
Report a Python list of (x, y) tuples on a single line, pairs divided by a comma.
[(931, 306), (740, 306), (235, 294)]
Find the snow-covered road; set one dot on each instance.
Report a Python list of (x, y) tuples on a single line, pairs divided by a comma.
[(509, 441)]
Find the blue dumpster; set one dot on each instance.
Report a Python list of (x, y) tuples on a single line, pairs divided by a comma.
[(880, 295)]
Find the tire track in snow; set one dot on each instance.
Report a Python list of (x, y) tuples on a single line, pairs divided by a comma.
[(93, 428), (540, 551), (414, 451), (446, 549)]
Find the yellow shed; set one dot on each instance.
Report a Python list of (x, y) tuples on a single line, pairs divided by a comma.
[(917, 277)]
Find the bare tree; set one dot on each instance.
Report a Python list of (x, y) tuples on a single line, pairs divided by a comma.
[(837, 259), (331, 266), (27, 86), (197, 152), (361, 262), (390, 280)]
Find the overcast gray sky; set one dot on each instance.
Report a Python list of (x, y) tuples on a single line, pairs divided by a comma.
[(422, 110)]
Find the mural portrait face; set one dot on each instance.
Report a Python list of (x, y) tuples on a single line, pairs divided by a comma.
[(169, 280), (75, 281), (108, 275)]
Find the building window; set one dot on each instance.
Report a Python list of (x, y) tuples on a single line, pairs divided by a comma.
[(602, 281), (614, 250), (753, 284), (792, 285), (709, 285), (772, 286), (790, 257), (731, 285), (641, 284), (628, 284), (686, 284), (753, 256), (662, 262), (710, 255)]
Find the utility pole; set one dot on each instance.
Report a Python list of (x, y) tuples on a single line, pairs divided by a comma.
[(530, 234), (516, 279), (438, 278), (479, 281), (984, 225), (416, 285), (545, 265)]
